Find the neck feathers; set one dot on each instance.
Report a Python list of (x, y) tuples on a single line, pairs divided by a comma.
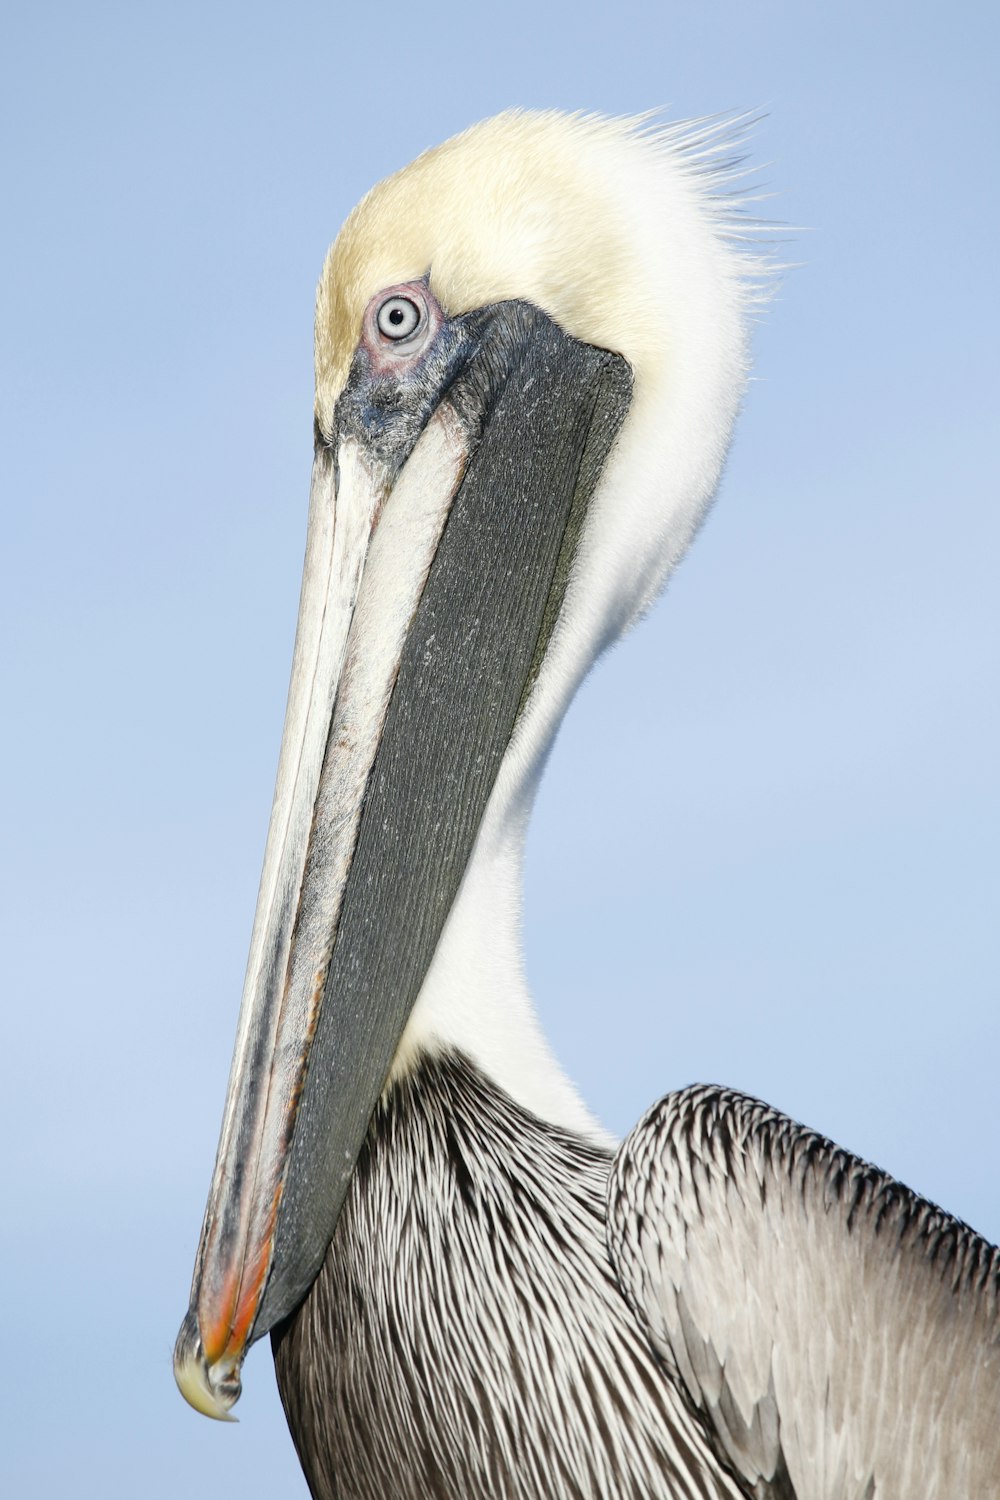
[(465, 1335)]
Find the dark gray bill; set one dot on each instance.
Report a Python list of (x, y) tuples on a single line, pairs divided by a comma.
[(539, 412)]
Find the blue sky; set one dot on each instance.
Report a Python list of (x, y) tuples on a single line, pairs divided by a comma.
[(766, 849)]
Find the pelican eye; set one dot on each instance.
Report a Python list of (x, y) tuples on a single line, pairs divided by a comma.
[(398, 318)]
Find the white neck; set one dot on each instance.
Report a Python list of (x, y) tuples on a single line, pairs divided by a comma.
[(475, 996)]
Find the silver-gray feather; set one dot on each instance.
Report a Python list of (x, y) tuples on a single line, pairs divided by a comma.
[(840, 1335), (466, 1336)]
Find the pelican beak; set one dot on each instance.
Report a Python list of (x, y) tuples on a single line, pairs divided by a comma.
[(442, 526)]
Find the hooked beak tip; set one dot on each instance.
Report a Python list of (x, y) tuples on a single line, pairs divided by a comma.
[(211, 1388)]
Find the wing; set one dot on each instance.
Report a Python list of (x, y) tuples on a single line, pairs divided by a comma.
[(839, 1335)]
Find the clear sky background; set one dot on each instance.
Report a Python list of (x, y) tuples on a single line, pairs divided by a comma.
[(766, 850)]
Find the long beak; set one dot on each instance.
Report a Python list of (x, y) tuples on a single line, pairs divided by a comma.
[(425, 606)]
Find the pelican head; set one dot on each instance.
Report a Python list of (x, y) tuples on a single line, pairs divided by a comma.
[(530, 349)]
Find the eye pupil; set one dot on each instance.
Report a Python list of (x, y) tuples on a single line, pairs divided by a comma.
[(399, 317)]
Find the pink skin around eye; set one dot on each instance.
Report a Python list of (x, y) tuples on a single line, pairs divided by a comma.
[(393, 356)]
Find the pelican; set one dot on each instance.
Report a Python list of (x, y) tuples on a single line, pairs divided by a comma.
[(531, 345)]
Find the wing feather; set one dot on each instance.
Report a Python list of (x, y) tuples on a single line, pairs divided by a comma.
[(839, 1335)]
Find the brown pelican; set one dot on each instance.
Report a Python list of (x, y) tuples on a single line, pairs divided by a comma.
[(530, 349)]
